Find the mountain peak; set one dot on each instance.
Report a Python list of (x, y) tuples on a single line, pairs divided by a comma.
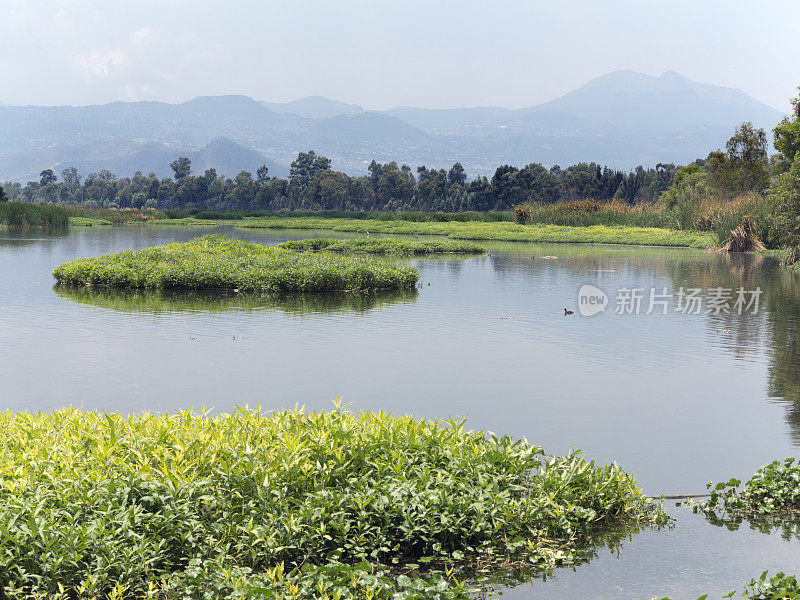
[(670, 102), (673, 75)]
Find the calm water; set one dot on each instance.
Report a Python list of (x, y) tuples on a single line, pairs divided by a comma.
[(676, 399)]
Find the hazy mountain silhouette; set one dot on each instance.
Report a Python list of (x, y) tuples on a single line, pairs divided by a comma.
[(314, 107), (667, 103), (370, 127), (124, 158), (622, 119)]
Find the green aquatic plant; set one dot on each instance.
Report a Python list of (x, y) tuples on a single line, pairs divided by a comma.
[(383, 246), (777, 587), (290, 504), (774, 488), (217, 262), (500, 231)]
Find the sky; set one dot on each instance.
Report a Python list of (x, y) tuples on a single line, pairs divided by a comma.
[(379, 54)]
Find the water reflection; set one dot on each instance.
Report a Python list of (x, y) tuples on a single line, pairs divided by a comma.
[(773, 331), (785, 525), (169, 301), (606, 541)]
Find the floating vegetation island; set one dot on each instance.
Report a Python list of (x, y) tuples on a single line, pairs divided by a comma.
[(291, 504), (383, 246), (218, 262)]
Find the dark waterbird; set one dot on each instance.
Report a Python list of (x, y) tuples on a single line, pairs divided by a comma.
[(568, 312)]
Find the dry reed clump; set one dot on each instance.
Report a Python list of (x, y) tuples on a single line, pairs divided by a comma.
[(744, 238)]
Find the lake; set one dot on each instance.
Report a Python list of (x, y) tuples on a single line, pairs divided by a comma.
[(677, 399)]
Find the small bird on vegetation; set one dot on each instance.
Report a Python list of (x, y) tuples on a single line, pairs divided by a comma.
[(568, 312)]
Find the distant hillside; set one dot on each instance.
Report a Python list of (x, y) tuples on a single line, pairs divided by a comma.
[(621, 119), (314, 107), (124, 158), (230, 158), (369, 127)]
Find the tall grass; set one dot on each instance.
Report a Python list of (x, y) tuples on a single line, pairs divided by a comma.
[(582, 213), (287, 505), (217, 262), (21, 215)]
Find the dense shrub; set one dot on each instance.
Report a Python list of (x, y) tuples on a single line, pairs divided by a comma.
[(289, 505)]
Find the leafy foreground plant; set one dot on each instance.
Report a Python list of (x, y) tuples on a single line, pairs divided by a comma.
[(778, 587), (383, 246), (217, 262), (289, 505), (774, 488), (769, 500)]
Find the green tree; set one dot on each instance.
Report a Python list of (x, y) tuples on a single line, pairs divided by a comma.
[(784, 200), (47, 177), (457, 175), (303, 169), (182, 168), (745, 166), (3, 197), (506, 187), (262, 174), (747, 148), (787, 134)]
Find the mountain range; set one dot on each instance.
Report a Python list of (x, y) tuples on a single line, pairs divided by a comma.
[(622, 119)]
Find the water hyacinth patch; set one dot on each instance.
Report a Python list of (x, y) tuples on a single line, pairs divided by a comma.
[(218, 262), (287, 505), (773, 488)]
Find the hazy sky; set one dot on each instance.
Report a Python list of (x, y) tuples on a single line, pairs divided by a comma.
[(381, 54)]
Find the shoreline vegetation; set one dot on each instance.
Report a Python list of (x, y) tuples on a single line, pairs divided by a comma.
[(214, 262), (21, 215), (500, 231), (289, 505)]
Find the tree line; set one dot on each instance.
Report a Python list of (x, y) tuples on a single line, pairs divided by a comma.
[(313, 185)]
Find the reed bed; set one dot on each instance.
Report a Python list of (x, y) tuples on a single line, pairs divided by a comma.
[(501, 231), (22, 215), (582, 213), (383, 246), (217, 262), (292, 504)]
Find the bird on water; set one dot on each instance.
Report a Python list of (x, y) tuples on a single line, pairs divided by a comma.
[(568, 312)]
